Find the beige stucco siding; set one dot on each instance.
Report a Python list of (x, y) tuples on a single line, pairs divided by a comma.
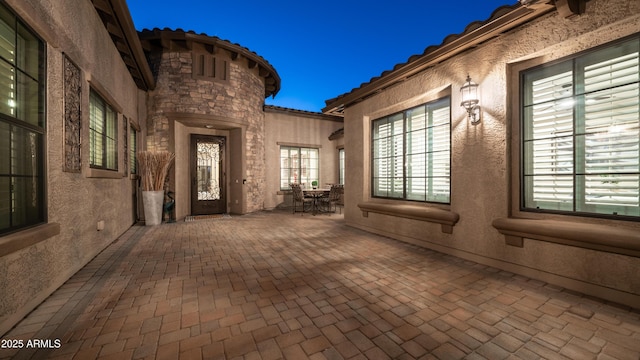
[(481, 159), (75, 201), (291, 129)]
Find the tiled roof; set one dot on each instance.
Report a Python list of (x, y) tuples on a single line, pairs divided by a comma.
[(117, 21), (162, 38), (314, 114), (337, 134), (502, 19)]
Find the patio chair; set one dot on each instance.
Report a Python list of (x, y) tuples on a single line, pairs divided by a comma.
[(340, 201), (333, 198), (298, 197)]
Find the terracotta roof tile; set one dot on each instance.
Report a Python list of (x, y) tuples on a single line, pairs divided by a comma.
[(499, 12)]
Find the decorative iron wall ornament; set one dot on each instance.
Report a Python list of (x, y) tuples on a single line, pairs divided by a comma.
[(72, 118)]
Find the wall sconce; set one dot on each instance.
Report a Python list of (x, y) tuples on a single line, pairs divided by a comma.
[(469, 94)]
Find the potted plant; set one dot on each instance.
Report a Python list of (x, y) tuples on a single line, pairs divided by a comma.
[(154, 167)]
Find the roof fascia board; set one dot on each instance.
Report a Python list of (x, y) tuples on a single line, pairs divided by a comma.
[(186, 39), (126, 22), (233, 48), (506, 22), (302, 113)]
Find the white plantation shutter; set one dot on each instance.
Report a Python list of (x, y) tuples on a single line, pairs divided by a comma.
[(411, 154), (581, 134), (96, 131), (548, 142), (388, 169), (611, 140), (111, 139), (341, 171), (440, 153), (417, 171), (103, 134), (398, 157)]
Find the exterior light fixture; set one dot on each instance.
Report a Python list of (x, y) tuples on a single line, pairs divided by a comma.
[(469, 95)]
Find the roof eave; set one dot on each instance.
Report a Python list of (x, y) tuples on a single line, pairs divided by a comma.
[(302, 113), (156, 39), (469, 39), (117, 21), (266, 69)]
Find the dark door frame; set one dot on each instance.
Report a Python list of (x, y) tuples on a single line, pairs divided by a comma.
[(206, 207)]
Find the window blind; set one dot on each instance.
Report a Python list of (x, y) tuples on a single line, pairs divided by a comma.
[(611, 133), (411, 153), (581, 134), (103, 134)]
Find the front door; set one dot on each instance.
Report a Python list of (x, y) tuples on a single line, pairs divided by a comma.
[(207, 175)]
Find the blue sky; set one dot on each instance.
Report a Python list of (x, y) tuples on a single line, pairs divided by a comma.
[(320, 49)]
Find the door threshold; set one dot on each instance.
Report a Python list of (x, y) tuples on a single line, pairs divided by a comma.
[(203, 217)]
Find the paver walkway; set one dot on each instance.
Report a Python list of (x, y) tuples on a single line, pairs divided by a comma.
[(274, 285)]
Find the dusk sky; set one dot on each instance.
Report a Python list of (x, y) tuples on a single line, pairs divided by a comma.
[(320, 49)]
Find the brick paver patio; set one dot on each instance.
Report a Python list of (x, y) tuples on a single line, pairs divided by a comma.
[(274, 285)]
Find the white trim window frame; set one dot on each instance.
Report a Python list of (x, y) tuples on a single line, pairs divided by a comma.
[(411, 154), (300, 165), (341, 167), (581, 134)]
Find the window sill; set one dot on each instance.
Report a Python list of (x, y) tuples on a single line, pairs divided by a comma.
[(25, 238), (106, 174), (608, 238), (447, 219)]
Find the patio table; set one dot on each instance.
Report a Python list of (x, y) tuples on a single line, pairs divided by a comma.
[(316, 195)]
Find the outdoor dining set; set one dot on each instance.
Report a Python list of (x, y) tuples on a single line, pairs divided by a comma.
[(316, 200)]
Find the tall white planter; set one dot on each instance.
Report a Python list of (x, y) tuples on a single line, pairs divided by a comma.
[(153, 202)]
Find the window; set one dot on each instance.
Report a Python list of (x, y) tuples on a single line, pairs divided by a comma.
[(581, 134), (412, 153), (210, 67), (341, 169), (103, 134), (22, 125), (298, 165), (133, 149)]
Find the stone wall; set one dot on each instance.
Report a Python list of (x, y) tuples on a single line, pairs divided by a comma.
[(237, 101)]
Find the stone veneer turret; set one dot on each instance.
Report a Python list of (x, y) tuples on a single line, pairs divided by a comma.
[(223, 82)]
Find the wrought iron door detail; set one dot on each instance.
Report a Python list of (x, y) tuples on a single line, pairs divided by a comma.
[(208, 170)]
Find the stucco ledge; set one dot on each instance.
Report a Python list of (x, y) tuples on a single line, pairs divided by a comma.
[(608, 238), (25, 238), (446, 218)]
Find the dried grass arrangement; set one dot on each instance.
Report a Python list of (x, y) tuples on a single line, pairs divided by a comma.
[(154, 166)]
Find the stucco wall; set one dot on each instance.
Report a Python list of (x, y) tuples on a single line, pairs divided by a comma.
[(480, 160), (236, 104), (75, 201), (290, 128)]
